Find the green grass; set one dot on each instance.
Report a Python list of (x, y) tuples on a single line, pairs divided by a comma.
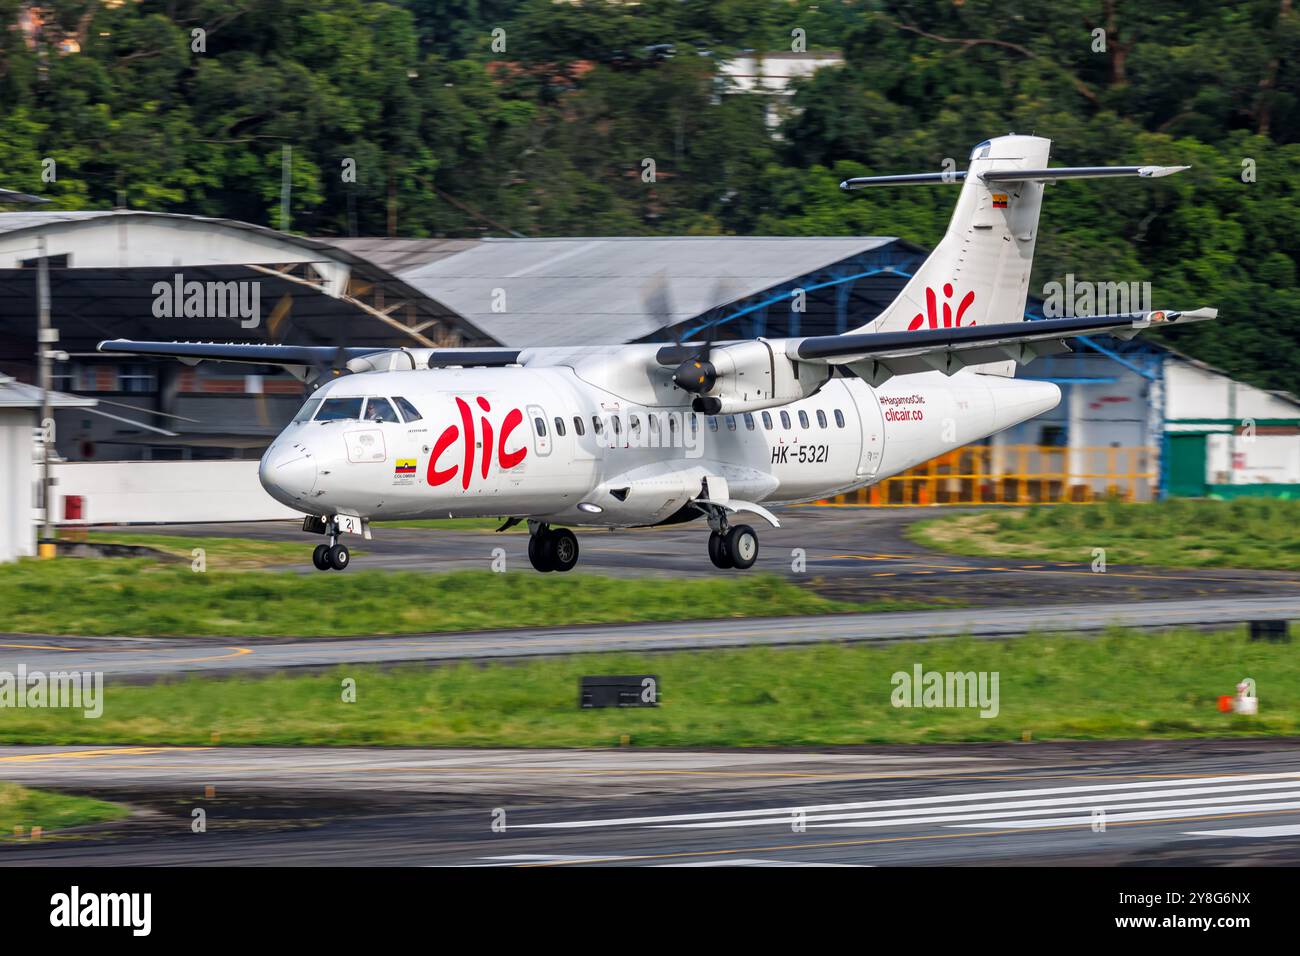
[(137, 596), (1117, 685), (219, 553), (25, 808), (1258, 533)]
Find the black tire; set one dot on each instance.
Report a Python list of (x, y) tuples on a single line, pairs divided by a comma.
[(320, 557), (538, 552), (742, 546), (339, 556), (562, 549), (718, 552)]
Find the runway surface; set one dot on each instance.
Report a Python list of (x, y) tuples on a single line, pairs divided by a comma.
[(1173, 803), (860, 554), (156, 657)]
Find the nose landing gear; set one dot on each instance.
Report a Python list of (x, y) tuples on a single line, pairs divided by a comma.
[(552, 549), (333, 555)]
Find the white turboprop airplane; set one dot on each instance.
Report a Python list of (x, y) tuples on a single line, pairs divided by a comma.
[(637, 435)]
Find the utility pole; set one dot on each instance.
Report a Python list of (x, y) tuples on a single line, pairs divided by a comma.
[(286, 186), (46, 337)]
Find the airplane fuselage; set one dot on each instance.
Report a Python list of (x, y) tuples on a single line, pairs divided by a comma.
[(544, 443)]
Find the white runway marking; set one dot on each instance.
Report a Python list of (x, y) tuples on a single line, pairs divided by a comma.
[(1290, 829), (1153, 800), (1220, 793)]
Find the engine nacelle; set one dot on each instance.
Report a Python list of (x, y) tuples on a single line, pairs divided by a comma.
[(753, 376)]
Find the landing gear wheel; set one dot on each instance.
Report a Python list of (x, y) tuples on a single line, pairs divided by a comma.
[(339, 556), (742, 546), (719, 554), (561, 547), (320, 557), (538, 552)]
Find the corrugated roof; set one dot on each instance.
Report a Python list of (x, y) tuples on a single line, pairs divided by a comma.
[(16, 394), (396, 255), (593, 291)]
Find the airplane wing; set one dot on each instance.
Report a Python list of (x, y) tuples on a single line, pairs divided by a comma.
[(299, 357), (877, 356)]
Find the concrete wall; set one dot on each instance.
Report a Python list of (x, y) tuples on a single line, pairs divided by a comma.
[(17, 474), (146, 492)]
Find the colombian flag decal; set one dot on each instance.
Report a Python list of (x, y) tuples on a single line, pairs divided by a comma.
[(999, 200), (405, 466)]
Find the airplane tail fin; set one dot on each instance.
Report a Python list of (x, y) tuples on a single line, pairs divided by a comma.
[(979, 273)]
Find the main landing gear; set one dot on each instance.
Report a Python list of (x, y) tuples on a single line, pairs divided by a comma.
[(333, 556), (731, 546), (552, 549)]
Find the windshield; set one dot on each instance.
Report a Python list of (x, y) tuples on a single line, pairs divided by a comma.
[(308, 410), (339, 409)]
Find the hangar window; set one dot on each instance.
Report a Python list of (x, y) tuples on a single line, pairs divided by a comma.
[(380, 410), (407, 409), (749, 421), (803, 418), (578, 426), (821, 418), (559, 426), (308, 410), (731, 423), (767, 421), (539, 424), (785, 419), (339, 409), (839, 418)]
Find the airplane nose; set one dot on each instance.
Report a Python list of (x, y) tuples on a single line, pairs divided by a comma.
[(288, 473)]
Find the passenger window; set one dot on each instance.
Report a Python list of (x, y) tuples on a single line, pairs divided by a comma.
[(540, 425), (618, 425), (731, 423), (653, 421), (672, 423), (713, 423), (308, 410), (821, 418), (803, 418), (695, 424), (380, 410), (597, 426), (839, 418), (340, 409), (767, 421), (407, 409), (749, 421), (634, 425), (559, 426), (785, 419), (578, 426)]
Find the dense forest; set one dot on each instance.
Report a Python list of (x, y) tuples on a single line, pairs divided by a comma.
[(535, 117)]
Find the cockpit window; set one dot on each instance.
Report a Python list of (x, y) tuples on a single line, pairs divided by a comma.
[(308, 410), (380, 410), (339, 409), (408, 410)]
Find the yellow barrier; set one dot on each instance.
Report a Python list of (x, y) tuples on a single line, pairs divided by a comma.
[(1016, 475)]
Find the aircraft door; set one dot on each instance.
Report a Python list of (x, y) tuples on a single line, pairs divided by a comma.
[(541, 431), (871, 425)]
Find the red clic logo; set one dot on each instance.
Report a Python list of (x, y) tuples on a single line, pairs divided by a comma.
[(506, 459), (949, 321)]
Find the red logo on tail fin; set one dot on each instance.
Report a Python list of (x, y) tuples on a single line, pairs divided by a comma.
[(932, 311)]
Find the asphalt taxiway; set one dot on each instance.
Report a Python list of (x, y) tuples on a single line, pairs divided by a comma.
[(1181, 802), (136, 658)]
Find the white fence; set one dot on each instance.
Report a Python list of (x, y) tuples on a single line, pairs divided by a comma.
[(156, 492)]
